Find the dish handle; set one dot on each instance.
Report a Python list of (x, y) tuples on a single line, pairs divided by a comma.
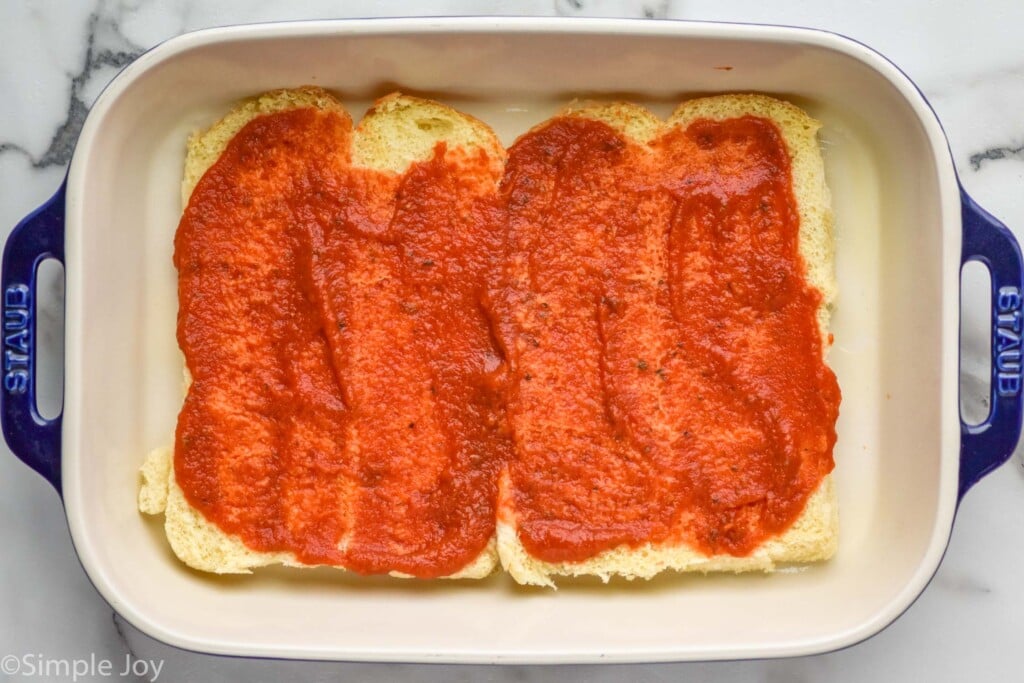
[(987, 445), (35, 439)]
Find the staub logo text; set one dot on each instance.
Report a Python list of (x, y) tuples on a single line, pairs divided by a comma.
[(17, 338), (1007, 341)]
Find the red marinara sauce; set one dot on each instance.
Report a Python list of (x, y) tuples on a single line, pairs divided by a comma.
[(345, 403), (667, 375), (626, 328)]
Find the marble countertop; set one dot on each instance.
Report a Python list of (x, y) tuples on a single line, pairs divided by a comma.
[(57, 55)]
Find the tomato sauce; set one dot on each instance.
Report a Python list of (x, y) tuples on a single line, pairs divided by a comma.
[(667, 375), (345, 396), (625, 329)]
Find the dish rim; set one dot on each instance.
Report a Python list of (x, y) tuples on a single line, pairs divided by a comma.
[(948, 197)]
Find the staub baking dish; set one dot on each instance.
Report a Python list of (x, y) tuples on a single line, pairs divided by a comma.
[(904, 230)]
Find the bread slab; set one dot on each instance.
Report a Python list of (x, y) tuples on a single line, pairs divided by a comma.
[(396, 133), (814, 535), (401, 130)]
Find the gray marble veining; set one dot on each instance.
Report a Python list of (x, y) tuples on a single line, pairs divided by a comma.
[(996, 154)]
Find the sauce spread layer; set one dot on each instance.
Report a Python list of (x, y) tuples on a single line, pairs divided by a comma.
[(667, 375), (344, 403), (625, 329)]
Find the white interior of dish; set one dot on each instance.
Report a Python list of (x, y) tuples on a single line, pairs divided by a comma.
[(897, 218)]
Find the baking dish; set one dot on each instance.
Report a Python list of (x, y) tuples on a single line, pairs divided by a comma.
[(904, 230)]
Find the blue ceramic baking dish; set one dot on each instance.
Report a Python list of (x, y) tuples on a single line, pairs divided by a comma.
[(904, 231)]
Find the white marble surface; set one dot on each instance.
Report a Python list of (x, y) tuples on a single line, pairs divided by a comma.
[(56, 55)]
